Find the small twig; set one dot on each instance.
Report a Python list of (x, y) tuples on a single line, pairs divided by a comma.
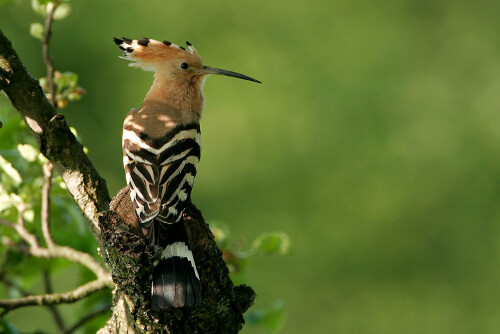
[(66, 252), (52, 308), (56, 298), (87, 317), (47, 177), (46, 55)]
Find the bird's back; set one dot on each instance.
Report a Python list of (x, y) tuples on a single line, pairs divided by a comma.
[(161, 151)]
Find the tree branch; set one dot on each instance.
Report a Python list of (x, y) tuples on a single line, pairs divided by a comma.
[(56, 251), (103, 277), (57, 298), (54, 137), (47, 181)]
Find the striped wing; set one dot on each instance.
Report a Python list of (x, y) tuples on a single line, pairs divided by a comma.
[(160, 172)]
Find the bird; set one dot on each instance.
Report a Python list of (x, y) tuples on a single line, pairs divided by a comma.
[(161, 145)]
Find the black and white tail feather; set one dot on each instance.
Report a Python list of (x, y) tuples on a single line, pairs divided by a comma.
[(160, 172), (176, 282)]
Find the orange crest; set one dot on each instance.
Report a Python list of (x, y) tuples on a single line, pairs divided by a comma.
[(150, 54)]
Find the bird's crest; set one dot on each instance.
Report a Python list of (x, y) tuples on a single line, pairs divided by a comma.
[(149, 54)]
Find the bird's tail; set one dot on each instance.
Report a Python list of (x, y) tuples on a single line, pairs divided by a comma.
[(176, 282)]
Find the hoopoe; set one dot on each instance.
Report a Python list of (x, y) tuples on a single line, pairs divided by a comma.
[(161, 151)]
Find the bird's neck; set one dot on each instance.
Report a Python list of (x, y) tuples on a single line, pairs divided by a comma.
[(179, 94)]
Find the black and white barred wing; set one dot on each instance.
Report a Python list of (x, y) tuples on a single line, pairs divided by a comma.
[(160, 172)]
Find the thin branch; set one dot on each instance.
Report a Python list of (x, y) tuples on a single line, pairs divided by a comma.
[(52, 308), (73, 255), (87, 317), (57, 298), (46, 55), (47, 178), (21, 229), (48, 288), (65, 252)]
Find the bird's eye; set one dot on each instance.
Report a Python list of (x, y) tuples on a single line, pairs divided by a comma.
[(184, 66)]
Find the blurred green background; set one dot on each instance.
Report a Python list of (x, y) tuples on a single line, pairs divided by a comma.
[(373, 142)]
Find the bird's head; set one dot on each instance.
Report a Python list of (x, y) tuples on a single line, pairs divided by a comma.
[(170, 61)]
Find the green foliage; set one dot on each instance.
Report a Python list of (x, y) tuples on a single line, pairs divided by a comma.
[(37, 30), (44, 7), (21, 181), (272, 243), (66, 87), (238, 259)]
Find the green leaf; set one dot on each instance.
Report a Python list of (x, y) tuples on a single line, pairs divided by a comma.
[(29, 215), (73, 131), (220, 232), (5, 202), (43, 83), (10, 171), (271, 319), (39, 6), (272, 243), (44, 7), (37, 30), (62, 11), (28, 152)]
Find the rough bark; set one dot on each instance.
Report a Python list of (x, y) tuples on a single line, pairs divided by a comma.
[(223, 305), (127, 256)]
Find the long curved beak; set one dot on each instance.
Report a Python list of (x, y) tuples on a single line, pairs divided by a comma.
[(218, 71)]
